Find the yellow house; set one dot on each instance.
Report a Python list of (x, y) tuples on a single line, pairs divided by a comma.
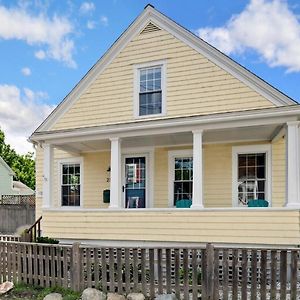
[(186, 140)]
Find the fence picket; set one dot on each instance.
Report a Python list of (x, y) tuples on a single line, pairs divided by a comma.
[(235, 254), (253, 274), (263, 275), (244, 273), (96, 268), (176, 273), (119, 271), (194, 274), (159, 270), (168, 271), (151, 268), (273, 274), (283, 275), (225, 274), (104, 278), (127, 271), (294, 275)]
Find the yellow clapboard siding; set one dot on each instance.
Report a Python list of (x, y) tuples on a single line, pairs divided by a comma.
[(278, 173), (192, 82), (239, 226)]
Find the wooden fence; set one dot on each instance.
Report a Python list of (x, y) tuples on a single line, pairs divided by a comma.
[(209, 273), (13, 216)]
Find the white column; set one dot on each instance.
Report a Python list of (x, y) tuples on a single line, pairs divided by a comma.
[(115, 173), (197, 170), (293, 165), (47, 174)]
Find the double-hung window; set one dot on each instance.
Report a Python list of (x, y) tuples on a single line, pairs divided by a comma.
[(150, 91), (180, 176), (70, 184), (251, 171)]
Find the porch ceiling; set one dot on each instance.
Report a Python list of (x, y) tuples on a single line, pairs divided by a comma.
[(253, 133)]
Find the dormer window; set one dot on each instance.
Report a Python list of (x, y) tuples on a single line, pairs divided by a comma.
[(150, 90)]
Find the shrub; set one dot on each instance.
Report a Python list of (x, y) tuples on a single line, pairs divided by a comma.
[(46, 240)]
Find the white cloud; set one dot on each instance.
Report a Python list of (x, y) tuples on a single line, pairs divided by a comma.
[(53, 34), (91, 24), (21, 112), (87, 7), (104, 20), (268, 27), (26, 71), (40, 54)]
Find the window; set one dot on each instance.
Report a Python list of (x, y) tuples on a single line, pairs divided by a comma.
[(180, 176), (70, 184), (251, 174), (251, 177), (150, 91)]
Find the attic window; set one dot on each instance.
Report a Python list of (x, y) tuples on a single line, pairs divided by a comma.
[(150, 90), (150, 28)]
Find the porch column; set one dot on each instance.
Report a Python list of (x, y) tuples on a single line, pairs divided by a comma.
[(47, 174), (115, 173), (197, 170), (293, 165)]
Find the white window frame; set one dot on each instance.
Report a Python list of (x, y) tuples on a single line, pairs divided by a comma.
[(73, 160), (171, 170), (262, 148), (136, 102)]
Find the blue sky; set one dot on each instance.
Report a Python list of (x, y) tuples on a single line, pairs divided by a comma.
[(46, 47)]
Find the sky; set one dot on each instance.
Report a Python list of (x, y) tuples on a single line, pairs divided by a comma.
[(47, 46)]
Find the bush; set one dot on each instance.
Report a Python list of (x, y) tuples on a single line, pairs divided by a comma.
[(46, 240)]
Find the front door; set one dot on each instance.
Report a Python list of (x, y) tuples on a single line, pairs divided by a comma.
[(135, 182)]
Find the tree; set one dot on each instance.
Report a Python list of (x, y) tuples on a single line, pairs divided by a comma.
[(22, 165)]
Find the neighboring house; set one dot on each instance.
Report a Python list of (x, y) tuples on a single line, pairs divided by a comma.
[(6, 179), (7, 185), (164, 116)]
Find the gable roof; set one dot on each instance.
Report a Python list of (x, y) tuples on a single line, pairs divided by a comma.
[(6, 166), (156, 18)]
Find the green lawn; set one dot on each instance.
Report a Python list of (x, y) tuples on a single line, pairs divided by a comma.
[(27, 292)]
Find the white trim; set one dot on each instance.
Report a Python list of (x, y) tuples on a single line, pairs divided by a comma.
[(72, 160), (293, 165), (263, 148), (47, 175), (149, 175), (115, 173), (136, 85), (171, 160), (197, 169), (151, 15), (169, 125)]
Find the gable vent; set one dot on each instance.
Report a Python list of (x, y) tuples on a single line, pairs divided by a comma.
[(150, 28)]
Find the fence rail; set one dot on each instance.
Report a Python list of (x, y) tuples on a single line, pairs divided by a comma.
[(17, 200), (190, 273)]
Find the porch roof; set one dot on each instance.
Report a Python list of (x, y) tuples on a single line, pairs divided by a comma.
[(270, 118)]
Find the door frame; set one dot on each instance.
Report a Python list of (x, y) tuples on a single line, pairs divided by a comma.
[(149, 174)]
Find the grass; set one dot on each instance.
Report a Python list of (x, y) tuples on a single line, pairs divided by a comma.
[(28, 292)]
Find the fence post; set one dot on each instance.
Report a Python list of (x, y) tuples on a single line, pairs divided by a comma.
[(76, 267), (210, 271)]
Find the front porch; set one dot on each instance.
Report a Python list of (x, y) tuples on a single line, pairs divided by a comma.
[(139, 164)]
